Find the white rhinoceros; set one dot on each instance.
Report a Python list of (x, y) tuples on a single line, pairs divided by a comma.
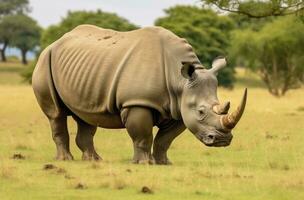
[(134, 80)]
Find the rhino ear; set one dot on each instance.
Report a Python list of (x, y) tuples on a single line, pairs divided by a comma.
[(218, 63), (188, 70)]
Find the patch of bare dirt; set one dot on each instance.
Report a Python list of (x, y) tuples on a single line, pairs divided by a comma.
[(80, 186), (146, 190), (49, 166), (18, 156)]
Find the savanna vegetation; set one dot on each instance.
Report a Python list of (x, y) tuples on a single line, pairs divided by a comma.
[(275, 52), (258, 8), (269, 41), (264, 161), (17, 29), (264, 43)]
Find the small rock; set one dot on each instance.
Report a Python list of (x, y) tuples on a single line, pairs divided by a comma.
[(269, 136), (18, 156), (107, 37), (146, 190), (80, 186), (49, 166)]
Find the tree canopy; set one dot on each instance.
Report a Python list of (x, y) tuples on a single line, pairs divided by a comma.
[(20, 31), (9, 8), (26, 34), (258, 8), (275, 51), (73, 19), (13, 6), (206, 31)]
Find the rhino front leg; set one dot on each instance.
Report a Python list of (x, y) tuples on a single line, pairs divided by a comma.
[(84, 140), (166, 134), (139, 124), (61, 137)]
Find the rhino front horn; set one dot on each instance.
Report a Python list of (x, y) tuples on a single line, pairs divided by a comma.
[(230, 120)]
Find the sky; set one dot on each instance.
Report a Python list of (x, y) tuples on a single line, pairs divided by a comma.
[(139, 12)]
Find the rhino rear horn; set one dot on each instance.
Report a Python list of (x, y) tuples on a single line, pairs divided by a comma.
[(221, 108)]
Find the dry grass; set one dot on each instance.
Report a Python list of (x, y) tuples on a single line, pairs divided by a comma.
[(264, 161)]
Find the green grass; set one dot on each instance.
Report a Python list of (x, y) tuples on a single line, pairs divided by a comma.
[(264, 161), (10, 73)]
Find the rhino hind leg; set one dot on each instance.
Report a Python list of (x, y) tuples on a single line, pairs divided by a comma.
[(84, 140), (166, 134), (139, 124), (61, 137)]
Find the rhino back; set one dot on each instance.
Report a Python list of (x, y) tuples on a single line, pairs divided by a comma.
[(102, 71)]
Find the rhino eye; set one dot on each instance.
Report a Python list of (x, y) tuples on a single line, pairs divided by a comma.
[(201, 113)]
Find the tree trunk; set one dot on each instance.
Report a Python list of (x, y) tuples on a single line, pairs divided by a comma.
[(3, 56), (23, 54)]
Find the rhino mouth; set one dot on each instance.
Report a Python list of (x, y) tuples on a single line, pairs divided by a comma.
[(216, 139)]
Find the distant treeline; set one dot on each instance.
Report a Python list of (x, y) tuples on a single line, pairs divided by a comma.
[(270, 45)]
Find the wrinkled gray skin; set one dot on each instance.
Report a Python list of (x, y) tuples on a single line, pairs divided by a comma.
[(200, 109)]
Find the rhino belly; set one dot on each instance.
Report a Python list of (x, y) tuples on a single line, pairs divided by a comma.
[(103, 120)]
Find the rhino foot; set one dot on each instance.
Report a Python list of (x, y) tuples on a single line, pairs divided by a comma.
[(144, 162), (163, 162), (162, 159), (91, 156), (143, 158), (64, 156)]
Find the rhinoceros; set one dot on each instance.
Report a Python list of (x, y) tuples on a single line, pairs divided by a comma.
[(134, 80)]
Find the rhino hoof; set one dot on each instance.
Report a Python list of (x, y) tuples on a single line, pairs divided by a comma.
[(144, 162), (67, 156), (163, 162), (90, 157)]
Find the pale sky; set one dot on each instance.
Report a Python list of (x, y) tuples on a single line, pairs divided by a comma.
[(139, 12)]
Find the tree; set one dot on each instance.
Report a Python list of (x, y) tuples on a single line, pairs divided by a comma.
[(7, 8), (19, 31), (6, 30), (258, 8), (275, 51), (243, 21), (26, 36), (73, 19), (207, 32), (8, 27)]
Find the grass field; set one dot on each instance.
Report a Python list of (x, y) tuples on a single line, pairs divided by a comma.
[(264, 161)]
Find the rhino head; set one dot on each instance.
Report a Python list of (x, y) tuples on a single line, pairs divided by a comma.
[(201, 111)]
